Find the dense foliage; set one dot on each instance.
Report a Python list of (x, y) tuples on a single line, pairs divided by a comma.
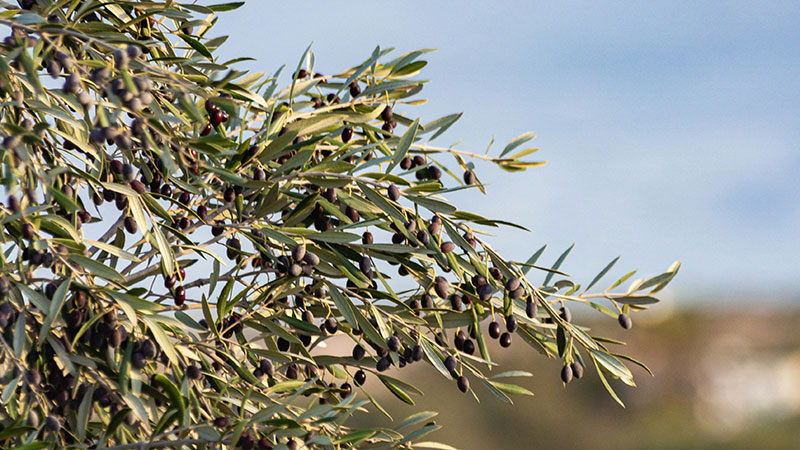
[(187, 248)]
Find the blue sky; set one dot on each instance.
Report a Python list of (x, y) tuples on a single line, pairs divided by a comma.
[(670, 128)]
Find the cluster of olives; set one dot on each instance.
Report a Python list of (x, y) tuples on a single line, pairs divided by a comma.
[(247, 439), (406, 354)]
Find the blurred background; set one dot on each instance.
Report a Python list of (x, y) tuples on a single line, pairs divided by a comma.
[(671, 133)]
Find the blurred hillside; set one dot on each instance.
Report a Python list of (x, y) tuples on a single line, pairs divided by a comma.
[(722, 380)]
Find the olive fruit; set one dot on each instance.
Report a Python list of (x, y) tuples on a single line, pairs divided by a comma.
[(394, 192), (355, 89), (469, 346), (233, 248), (221, 422), (417, 353), (127, 172), (27, 231), (577, 369), (435, 226), (283, 344), (458, 341), (180, 295), (130, 225), (311, 259), (33, 419), (383, 364), (565, 314), (13, 204), (259, 174), (117, 336), (447, 247), (442, 287), (138, 186), (457, 302), (360, 377), (386, 114), (494, 329), (469, 177), (511, 323), (266, 367), (422, 237), (217, 117), (566, 373), (485, 292), (450, 363), (148, 349), (246, 441), (292, 371), (463, 384), (138, 360), (512, 284), (625, 321), (426, 301), (52, 423), (367, 238), (393, 343), (218, 229), (365, 265), (229, 194), (352, 214), (347, 134), (505, 340), (193, 372), (331, 326), (530, 309)]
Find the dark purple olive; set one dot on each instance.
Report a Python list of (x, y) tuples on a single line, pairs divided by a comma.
[(511, 323), (355, 89), (577, 369), (463, 384), (494, 330), (130, 225), (360, 377), (386, 114), (530, 309), (394, 192), (180, 295), (505, 340), (450, 363), (383, 364), (469, 177), (193, 372), (221, 422), (347, 134), (566, 374)]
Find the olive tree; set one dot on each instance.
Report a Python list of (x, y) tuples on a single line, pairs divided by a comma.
[(187, 247)]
